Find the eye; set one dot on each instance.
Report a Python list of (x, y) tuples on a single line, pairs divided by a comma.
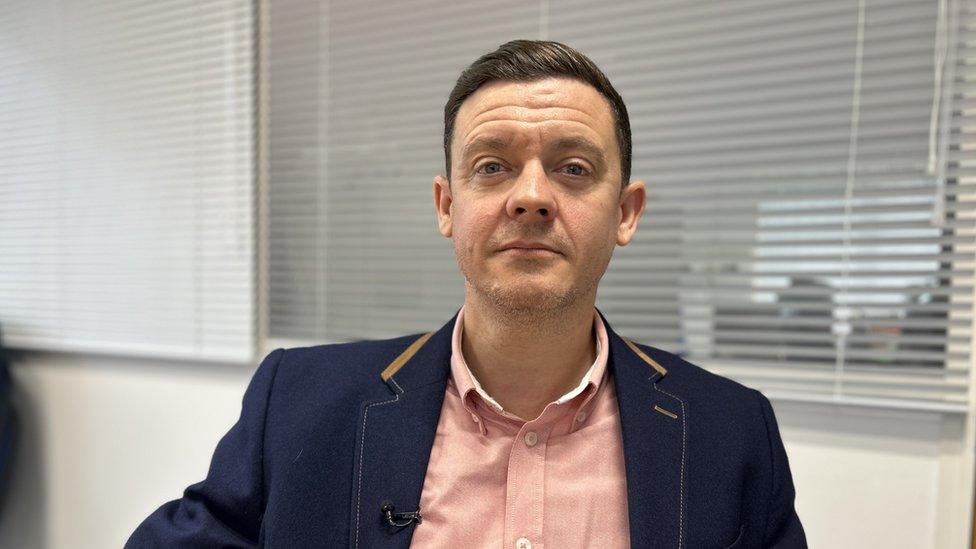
[(490, 168), (574, 169)]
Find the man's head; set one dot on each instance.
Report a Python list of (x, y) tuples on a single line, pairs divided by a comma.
[(533, 198), (528, 60)]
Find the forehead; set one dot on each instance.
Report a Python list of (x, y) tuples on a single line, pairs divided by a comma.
[(547, 107)]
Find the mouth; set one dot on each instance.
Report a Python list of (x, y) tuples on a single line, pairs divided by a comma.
[(531, 249)]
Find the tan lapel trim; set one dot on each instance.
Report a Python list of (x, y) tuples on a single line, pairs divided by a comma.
[(406, 355), (660, 369)]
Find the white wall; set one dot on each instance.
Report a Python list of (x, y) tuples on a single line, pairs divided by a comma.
[(104, 441), (868, 477)]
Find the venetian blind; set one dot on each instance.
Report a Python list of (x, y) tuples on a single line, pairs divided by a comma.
[(808, 229), (797, 237), (357, 98), (126, 177)]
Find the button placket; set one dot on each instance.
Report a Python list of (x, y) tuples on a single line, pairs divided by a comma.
[(527, 468)]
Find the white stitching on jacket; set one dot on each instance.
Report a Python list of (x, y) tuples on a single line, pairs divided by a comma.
[(684, 438), (362, 451), (393, 381)]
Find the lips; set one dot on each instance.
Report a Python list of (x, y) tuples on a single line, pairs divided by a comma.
[(521, 246)]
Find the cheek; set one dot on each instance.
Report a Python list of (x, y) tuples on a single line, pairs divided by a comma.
[(472, 229), (584, 225)]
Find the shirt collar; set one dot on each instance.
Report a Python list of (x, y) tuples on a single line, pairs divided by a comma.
[(468, 386)]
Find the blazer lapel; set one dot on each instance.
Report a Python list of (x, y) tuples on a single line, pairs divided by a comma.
[(394, 440), (654, 426)]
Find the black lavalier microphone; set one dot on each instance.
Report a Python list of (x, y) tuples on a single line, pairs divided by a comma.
[(399, 520)]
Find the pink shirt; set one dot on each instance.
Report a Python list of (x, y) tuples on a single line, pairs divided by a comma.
[(495, 480)]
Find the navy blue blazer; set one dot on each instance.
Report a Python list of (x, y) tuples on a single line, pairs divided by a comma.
[(328, 433)]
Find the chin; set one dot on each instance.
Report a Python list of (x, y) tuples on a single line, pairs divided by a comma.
[(531, 299)]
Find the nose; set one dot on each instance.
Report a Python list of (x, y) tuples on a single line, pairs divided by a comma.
[(532, 198)]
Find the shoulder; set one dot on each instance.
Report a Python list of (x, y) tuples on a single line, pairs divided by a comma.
[(365, 354), (335, 375), (317, 392), (339, 365), (694, 378)]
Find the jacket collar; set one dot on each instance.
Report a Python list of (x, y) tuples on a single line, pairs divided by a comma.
[(425, 361), (395, 435)]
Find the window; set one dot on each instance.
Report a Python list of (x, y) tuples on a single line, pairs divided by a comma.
[(126, 178), (810, 226)]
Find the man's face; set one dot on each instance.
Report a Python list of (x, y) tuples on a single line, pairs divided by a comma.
[(535, 205)]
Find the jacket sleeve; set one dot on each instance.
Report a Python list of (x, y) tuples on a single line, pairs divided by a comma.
[(226, 508), (783, 528)]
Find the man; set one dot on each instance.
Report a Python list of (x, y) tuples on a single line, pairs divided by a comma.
[(525, 421)]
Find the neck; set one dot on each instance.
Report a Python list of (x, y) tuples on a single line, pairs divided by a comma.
[(525, 361)]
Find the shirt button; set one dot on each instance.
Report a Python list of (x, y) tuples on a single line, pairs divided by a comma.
[(581, 417), (523, 543), (475, 418), (530, 439)]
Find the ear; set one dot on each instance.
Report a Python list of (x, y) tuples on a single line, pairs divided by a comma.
[(632, 202), (442, 202)]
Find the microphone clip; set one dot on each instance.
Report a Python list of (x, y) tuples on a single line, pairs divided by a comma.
[(399, 520)]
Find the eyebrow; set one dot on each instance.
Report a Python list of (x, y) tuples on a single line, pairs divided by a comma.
[(489, 142), (581, 144), (573, 143)]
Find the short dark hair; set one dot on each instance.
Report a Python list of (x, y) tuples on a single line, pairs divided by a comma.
[(528, 60)]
